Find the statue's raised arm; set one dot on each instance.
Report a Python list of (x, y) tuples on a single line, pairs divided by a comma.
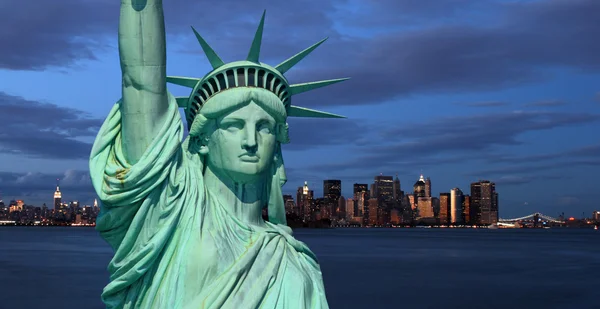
[(142, 49)]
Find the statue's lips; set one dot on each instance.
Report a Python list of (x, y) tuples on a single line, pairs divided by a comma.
[(249, 158)]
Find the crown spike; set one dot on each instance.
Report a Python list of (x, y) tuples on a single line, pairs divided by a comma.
[(292, 61), (182, 102), (254, 52), (297, 111), (213, 58), (183, 81), (304, 87)]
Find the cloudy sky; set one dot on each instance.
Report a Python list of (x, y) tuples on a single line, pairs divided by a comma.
[(459, 90)]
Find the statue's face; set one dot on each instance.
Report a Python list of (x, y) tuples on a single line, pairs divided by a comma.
[(242, 146)]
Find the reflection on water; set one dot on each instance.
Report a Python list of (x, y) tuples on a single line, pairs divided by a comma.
[(61, 267)]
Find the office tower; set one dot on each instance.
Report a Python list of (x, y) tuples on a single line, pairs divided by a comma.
[(290, 206), (467, 209), (445, 208), (425, 208), (341, 208), (332, 189), (427, 187), (305, 201), (397, 189), (373, 207), (419, 188), (57, 198), (456, 206), (383, 188), (360, 187), (484, 202), (350, 209)]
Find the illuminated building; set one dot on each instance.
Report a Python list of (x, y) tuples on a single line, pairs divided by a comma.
[(484, 202), (456, 206), (445, 208), (57, 198), (304, 201)]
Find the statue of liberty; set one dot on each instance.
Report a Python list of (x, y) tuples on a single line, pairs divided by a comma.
[(185, 218)]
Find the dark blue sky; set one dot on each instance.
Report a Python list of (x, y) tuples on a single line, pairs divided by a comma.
[(460, 89)]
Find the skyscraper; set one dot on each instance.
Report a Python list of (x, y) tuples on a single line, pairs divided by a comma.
[(467, 209), (384, 193), (361, 195), (445, 209), (419, 188), (332, 189), (397, 189), (427, 187), (290, 206), (383, 188), (456, 206), (304, 201), (484, 202), (57, 198)]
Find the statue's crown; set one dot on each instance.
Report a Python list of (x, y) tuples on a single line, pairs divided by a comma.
[(248, 73)]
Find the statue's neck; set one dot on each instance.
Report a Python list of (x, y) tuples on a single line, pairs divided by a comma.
[(244, 201)]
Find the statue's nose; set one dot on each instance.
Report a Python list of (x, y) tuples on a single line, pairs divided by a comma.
[(249, 141)]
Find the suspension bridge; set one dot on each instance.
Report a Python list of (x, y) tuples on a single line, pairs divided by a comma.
[(532, 217)]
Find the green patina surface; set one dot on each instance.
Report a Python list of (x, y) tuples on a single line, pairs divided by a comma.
[(184, 218)]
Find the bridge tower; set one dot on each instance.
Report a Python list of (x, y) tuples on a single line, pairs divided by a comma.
[(536, 219)]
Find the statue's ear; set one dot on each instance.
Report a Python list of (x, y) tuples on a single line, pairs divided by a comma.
[(203, 150), (200, 131), (282, 131), (203, 144), (198, 144)]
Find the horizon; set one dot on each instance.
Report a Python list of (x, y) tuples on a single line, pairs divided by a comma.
[(458, 91)]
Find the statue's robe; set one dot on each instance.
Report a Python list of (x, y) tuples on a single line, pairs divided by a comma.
[(176, 247)]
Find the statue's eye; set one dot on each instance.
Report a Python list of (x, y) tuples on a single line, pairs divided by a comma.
[(232, 126), (265, 127)]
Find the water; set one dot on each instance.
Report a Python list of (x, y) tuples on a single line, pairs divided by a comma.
[(362, 268)]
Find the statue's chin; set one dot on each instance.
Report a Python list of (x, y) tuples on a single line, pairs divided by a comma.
[(245, 173)]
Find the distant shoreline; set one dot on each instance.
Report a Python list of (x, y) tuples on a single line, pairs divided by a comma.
[(591, 226)]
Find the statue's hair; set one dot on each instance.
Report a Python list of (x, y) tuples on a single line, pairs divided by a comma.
[(235, 98)]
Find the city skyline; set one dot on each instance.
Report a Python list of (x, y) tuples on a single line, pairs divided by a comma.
[(405, 189), (458, 91)]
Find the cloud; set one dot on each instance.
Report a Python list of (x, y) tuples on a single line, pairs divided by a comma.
[(533, 168), (39, 34), (464, 57), (38, 188), (459, 139), (307, 133), (435, 49), (568, 201), (547, 103), (585, 152), (515, 180), (487, 104), (37, 129)]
